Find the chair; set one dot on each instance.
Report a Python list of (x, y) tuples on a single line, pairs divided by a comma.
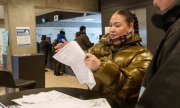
[(7, 81)]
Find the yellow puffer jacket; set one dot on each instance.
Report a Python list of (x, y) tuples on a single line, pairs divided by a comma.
[(122, 68)]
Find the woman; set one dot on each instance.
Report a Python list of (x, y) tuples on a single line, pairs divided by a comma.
[(119, 62)]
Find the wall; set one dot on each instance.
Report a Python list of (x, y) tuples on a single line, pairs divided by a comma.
[(1, 22), (1, 30), (51, 29), (93, 33), (69, 5), (3, 1), (21, 13), (141, 16)]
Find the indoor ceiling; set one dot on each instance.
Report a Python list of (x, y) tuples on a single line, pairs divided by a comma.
[(95, 18)]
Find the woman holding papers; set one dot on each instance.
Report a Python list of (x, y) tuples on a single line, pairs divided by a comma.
[(118, 61)]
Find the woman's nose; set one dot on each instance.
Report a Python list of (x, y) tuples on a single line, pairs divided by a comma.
[(112, 29)]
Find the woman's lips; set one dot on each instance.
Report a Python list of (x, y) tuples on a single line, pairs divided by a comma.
[(113, 36)]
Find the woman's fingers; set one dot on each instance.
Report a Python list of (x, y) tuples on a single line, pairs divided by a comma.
[(64, 41), (88, 56), (59, 46), (92, 61)]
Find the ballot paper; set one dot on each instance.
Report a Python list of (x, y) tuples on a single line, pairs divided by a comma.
[(55, 99), (73, 56), (2, 106)]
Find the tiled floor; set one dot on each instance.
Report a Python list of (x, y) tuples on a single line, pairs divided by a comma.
[(58, 81)]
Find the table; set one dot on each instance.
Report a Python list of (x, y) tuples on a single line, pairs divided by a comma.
[(76, 92)]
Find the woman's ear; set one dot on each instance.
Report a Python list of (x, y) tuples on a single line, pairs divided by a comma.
[(131, 25)]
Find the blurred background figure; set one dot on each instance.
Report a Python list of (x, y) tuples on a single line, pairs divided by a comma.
[(58, 67), (82, 39), (61, 36), (77, 34), (45, 47)]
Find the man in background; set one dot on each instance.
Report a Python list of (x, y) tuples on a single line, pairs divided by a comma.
[(162, 81), (83, 39), (59, 68), (44, 48), (61, 36)]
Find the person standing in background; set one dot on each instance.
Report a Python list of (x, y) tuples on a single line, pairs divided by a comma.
[(45, 47), (59, 68), (162, 81), (61, 36), (50, 54), (77, 34), (82, 39)]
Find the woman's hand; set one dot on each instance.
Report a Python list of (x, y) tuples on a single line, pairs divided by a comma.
[(59, 46), (92, 61)]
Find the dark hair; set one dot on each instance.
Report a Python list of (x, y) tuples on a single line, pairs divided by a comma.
[(136, 24), (130, 18), (82, 28), (43, 37), (127, 14), (62, 32)]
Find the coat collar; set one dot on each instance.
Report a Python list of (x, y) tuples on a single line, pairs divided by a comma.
[(134, 38), (164, 19)]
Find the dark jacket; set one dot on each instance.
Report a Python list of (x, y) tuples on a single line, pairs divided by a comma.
[(122, 68), (162, 80), (60, 37), (55, 42), (84, 41), (45, 46)]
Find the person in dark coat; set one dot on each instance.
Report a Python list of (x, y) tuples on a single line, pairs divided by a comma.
[(77, 34), (61, 36), (58, 68), (83, 40), (44, 47), (162, 81)]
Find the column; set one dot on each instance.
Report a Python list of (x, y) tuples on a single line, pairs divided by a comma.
[(19, 13)]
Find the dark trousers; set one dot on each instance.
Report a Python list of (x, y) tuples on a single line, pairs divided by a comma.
[(59, 68)]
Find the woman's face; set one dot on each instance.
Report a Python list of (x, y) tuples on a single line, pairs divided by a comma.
[(118, 26)]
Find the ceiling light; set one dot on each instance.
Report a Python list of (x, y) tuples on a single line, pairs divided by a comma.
[(89, 19)]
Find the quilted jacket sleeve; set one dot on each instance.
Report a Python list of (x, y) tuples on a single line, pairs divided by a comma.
[(109, 72), (134, 74)]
